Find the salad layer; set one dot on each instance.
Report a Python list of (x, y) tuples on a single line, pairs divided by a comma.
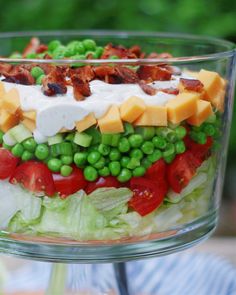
[(103, 152)]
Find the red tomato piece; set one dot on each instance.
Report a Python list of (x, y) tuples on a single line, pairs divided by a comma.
[(108, 181), (157, 170), (8, 163), (35, 177), (147, 195), (68, 185), (181, 171)]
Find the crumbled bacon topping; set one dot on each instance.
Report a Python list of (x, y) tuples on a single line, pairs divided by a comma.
[(147, 88), (54, 83), (31, 47), (81, 88), (154, 73), (118, 50), (170, 90), (18, 75), (191, 84)]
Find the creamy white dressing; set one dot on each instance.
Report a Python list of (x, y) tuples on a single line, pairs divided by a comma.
[(62, 111)]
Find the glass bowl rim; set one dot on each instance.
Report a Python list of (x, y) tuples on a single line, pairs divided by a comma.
[(230, 47)]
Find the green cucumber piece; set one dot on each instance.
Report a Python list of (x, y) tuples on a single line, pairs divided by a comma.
[(83, 139), (58, 138), (146, 132), (95, 133), (129, 129), (107, 139), (20, 133), (9, 139), (115, 139), (61, 149)]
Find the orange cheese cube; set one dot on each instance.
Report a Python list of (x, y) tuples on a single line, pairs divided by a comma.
[(213, 85), (30, 115), (11, 101), (2, 90), (87, 122), (8, 120), (64, 130), (111, 121), (131, 109), (204, 110), (183, 106), (29, 124), (153, 116)]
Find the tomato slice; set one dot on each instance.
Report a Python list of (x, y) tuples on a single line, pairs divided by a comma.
[(35, 177), (157, 170), (69, 185), (8, 163), (181, 170), (199, 151), (109, 181), (147, 195)]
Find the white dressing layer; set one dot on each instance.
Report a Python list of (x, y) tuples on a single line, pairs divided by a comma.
[(62, 111)]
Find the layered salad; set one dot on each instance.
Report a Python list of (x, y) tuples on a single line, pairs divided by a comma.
[(105, 150)]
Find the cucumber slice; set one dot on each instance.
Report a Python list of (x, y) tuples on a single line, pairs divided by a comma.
[(146, 132), (115, 139), (9, 139), (83, 139), (58, 138), (20, 133), (129, 129), (95, 133), (107, 139)]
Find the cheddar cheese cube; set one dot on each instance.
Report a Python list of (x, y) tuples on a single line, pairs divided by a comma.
[(204, 110), (8, 120), (11, 101), (2, 90), (29, 124), (29, 115), (153, 116), (183, 106), (111, 121), (87, 122), (131, 109)]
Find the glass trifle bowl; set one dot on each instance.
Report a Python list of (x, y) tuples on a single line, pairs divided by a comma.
[(113, 144)]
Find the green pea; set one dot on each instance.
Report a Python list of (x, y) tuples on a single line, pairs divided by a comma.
[(171, 137), (30, 144), (66, 170), (31, 55), (180, 132), (93, 157), (99, 51), (53, 45), (159, 142), (169, 151), (147, 147), (162, 131), (180, 147), (39, 80), (201, 138), (59, 52), (209, 130), (6, 146), (211, 119), (135, 140), (26, 156), (169, 159), (124, 145), (104, 171), (133, 163), (155, 156), (36, 72), (80, 159), (139, 171), (66, 160), (42, 151), (114, 168), (17, 150), (146, 163), (136, 153), (90, 173), (1, 137), (100, 163), (125, 175), (194, 135), (114, 154), (89, 44), (54, 164), (104, 149), (76, 47), (113, 57), (124, 161)]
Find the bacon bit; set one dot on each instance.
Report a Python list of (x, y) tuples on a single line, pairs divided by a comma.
[(85, 74), (154, 73), (47, 68), (191, 85), (102, 72), (41, 48), (164, 55), (147, 88), (5, 68), (54, 83), (136, 50), (47, 56), (19, 75), (117, 50), (171, 90), (126, 75), (81, 89), (31, 47)]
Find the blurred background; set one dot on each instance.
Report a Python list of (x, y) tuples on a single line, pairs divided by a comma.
[(215, 18)]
